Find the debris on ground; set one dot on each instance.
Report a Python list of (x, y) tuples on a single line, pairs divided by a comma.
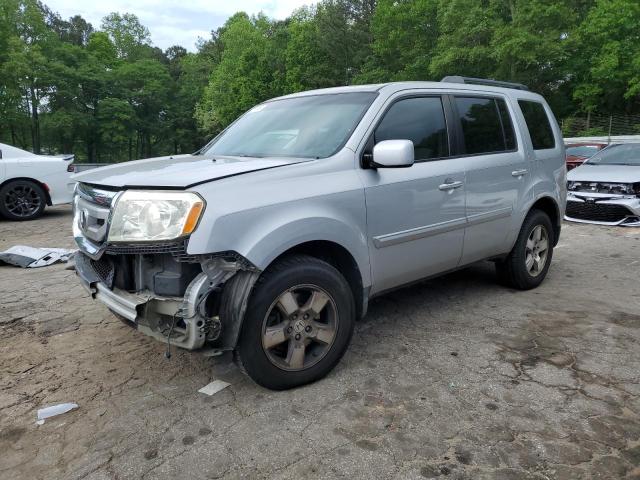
[(32, 257), (53, 410), (214, 387)]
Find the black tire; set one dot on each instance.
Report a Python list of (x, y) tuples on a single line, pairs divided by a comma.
[(34, 198), (296, 270), (513, 271)]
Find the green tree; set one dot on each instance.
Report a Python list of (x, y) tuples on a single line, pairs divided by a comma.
[(25, 66), (127, 34), (328, 44), (145, 85), (247, 72), (405, 33), (607, 57)]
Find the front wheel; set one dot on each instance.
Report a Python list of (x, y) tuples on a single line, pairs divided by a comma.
[(528, 263), (298, 324), (22, 200)]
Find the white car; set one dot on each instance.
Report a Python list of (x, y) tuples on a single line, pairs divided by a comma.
[(29, 182)]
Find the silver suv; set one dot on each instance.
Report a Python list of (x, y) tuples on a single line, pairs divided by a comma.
[(271, 240)]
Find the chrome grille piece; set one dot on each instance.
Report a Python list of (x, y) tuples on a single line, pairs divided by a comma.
[(92, 214), (92, 219)]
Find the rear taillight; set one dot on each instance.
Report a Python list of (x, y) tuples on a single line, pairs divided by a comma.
[(71, 168)]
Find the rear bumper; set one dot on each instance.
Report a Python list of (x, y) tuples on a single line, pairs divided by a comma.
[(603, 210)]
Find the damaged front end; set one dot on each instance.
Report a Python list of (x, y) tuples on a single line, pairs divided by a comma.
[(189, 299), (156, 287)]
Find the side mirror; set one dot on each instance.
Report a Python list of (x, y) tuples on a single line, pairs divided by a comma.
[(393, 154)]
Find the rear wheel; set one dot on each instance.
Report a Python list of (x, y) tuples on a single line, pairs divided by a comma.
[(298, 324), (528, 263), (22, 200)]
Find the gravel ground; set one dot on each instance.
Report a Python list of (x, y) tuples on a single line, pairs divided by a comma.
[(452, 378)]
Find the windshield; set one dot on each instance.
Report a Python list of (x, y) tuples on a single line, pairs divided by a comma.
[(312, 127), (582, 150), (625, 154)]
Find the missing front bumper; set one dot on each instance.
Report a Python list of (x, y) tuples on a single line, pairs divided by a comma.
[(152, 314)]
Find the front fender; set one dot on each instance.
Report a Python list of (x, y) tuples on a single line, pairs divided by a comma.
[(296, 232), (262, 234)]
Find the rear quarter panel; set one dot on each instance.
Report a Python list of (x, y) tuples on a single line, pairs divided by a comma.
[(51, 171), (549, 173)]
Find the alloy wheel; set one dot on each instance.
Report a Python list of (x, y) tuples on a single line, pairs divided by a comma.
[(299, 328), (22, 201), (537, 250)]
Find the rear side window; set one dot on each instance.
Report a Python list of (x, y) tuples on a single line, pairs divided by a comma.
[(486, 125), (421, 120), (538, 124)]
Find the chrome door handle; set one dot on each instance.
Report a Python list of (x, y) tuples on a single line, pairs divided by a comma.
[(519, 173), (450, 185)]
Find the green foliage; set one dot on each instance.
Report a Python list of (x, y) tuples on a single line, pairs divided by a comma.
[(127, 34), (248, 72), (110, 95), (608, 56), (327, 45), (405, 33)]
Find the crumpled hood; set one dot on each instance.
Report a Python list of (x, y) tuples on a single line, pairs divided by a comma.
[(177, 171), (605, 173)]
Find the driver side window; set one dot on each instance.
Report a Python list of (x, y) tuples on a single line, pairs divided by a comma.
[(421, 120)]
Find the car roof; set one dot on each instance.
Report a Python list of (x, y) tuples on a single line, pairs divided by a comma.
[(393, 87)]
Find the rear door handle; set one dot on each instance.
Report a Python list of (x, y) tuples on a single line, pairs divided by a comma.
[(519, 173), (450, 185)]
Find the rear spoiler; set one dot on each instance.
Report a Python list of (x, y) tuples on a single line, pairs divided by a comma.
[(65, 156)]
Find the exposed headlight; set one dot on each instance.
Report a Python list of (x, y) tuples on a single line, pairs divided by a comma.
[(603, 187), (154, 215)]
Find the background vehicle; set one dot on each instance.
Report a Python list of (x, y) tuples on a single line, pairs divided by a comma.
[(273, 249), (28, 182), (606, 189), (578, 152)]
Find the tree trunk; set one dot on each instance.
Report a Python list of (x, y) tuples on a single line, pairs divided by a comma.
[(35, 121)]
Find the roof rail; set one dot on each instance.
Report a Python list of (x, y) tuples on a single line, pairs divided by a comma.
[(483, 81)]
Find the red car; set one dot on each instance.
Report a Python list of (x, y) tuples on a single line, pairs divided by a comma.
[(577, 153)]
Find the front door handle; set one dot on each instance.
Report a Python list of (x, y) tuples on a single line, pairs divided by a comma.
[(450, 185), (519, 173)]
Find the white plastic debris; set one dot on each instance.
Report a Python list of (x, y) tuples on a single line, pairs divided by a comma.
[(214, 387), (31, 257), (54, 410)]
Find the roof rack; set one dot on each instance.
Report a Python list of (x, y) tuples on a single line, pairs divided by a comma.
[(483, 81)]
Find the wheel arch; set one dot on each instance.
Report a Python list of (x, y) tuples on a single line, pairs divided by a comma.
[(341, 259), (44, 187), (549, 206), (236, 291)]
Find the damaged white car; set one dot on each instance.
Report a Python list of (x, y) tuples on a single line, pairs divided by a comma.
[(271, 240), (605, 189)]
